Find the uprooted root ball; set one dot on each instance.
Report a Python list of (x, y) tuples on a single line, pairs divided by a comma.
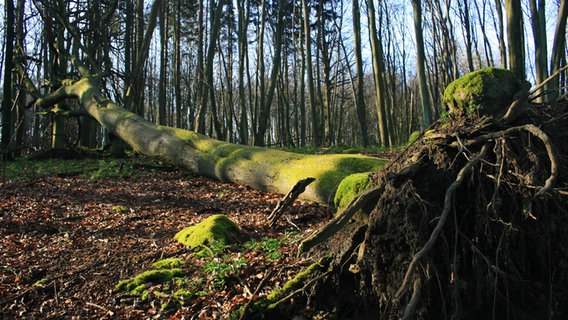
[(463, 228)]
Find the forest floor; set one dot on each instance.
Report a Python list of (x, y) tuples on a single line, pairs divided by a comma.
[(67, 239)]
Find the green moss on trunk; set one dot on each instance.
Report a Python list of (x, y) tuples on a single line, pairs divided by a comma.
[(350, 187)]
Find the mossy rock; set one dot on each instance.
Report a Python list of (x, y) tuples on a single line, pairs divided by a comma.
[(488, 91), (351, 187), (214, 228)]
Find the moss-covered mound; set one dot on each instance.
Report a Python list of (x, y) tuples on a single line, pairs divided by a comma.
[(351, 187), (488, 91), (217, 227)]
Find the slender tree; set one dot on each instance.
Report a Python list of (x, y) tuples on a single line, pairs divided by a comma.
[(515, 37), (538, 23), (316, 140), (266, 98), (420, 61), (558, 58), (8, 111), (360, 90)]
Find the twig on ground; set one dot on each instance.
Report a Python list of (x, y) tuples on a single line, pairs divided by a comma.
[(250, 301), (295, 292), (340, 220), (296, 191)]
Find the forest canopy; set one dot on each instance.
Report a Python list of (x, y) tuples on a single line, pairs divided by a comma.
[(268, 73)]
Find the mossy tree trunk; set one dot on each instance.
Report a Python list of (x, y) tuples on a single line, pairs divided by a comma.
[(260, 168)]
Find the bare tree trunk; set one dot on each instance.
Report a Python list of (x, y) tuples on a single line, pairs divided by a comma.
[(162, 84), (538, 22), (243, 10), (501, 34), (180, 123), (8, 113), (316, 142), (266, 98), (515, 38), (559, 47), (378, 69), (420, 61), (360, 93)]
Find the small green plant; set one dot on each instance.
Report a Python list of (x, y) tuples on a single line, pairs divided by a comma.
[(271, 246), (106, 169), (222, 269), (223, 192), (220, 266), (119, 209)]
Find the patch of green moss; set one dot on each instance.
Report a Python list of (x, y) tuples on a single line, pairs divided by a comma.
[(41, 282), (217, 227), (350, 187), (168, 263), (487, 91), (119, 209), (413, 137), (299, 280), (138, 283), (184, 294)]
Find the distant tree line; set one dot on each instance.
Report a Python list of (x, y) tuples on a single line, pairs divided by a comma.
[(281, 72)]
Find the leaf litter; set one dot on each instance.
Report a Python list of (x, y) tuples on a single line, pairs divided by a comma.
[(66, 241)]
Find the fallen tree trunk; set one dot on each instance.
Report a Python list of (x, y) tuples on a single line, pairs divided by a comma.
[(260, 168)]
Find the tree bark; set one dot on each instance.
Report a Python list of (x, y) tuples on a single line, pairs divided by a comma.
[(8, 115), (378, 69), (316, 142), (515, 37), (420, 61), (559, 47), (360, 93)]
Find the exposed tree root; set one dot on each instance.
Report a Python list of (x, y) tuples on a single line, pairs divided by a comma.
[(469, 224), (443, 217)]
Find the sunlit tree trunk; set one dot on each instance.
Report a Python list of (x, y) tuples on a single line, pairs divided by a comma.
[(501, 33), (199, 125), (316, 142), (378, 69), (267, 97), (420, 61), (360, 90), (515, 38), (179, 114)]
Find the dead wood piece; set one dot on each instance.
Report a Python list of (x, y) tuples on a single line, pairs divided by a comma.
[(517, 107), (285, 202), (340, 220)]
